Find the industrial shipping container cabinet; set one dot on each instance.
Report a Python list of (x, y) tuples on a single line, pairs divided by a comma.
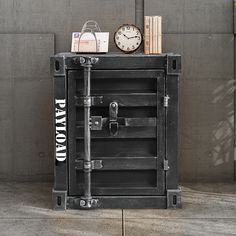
[(116, 128)]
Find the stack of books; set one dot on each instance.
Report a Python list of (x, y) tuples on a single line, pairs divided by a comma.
[(152, 34)]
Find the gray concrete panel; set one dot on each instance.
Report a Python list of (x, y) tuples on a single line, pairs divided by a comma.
[(206, 130), (206, 105), (171, 11), (33, 129), (62, 17), (177, 226), (6, 57), (199, 201), (36, 203), (6, 127), (207, 209), (30, 56), (26, 106), (60, 226), (193, 16), (203, 55), (234, 16), (25, 56), (108, 15)]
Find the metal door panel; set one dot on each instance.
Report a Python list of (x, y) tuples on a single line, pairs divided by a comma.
[(133, 159)]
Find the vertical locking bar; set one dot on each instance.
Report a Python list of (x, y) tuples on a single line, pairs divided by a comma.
[(86, 200), (87, 133)]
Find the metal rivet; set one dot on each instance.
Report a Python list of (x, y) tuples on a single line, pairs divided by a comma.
[(82, 60), (82, 203), (94, 60)]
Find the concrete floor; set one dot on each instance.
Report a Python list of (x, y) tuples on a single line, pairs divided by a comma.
[(208, 209)]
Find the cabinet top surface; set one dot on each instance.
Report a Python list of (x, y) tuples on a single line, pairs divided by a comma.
[(169, 62), (69, 54)]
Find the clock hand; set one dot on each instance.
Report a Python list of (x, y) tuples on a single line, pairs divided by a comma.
[(125, 36), (133, 37)]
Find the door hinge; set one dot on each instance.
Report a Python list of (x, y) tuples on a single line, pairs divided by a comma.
[(166, 100), (166, 165)]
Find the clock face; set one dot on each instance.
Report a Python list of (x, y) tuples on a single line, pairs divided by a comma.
[(128, 38)]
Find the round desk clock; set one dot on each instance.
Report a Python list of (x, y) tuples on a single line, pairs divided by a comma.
[(128, 38)]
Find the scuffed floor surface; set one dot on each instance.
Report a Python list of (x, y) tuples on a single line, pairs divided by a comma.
[(208, 209)]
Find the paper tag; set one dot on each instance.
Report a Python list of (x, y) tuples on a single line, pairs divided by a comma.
[(88, 42)]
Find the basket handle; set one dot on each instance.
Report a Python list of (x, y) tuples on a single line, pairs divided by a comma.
[(90, 26)]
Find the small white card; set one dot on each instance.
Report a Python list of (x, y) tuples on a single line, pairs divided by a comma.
[(87, 42)]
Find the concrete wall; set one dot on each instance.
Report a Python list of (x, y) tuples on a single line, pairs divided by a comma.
[(201, 30)]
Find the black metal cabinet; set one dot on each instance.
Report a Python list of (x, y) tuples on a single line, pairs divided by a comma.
[(116, 127)]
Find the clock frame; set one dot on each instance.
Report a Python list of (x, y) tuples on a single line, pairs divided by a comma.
[(128, 25)]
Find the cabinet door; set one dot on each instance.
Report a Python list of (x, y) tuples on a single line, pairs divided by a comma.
[(130, 143)]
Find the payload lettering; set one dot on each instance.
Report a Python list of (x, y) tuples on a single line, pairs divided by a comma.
[(60, 122)]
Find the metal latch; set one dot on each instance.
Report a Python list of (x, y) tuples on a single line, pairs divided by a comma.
[(113, 123), (88, 165), (88, 101), (166, 100), (166, 165), (88, 203)]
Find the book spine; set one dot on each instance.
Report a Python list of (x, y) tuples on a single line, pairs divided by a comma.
[(151, 34), (155, 34), (159, 35), (146, 34)]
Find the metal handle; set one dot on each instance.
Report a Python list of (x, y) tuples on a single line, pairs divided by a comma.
[(113, 122), (90, 26)]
